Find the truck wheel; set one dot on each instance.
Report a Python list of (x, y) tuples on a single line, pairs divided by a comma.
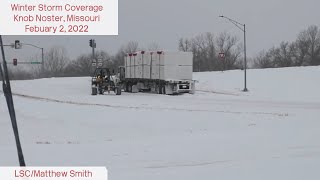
[(163, 89), (117, 90), (100, 91), (129, 88), (94, 91), (159, 89), (125, 87)]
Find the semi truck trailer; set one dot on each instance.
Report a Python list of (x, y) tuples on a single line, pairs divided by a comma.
[(158, 71)]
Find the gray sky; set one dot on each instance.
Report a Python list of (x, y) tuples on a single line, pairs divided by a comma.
[(164, 22)]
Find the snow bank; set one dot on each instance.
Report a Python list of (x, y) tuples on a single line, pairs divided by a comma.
[(280, 84)]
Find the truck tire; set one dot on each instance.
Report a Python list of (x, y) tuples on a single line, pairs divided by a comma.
[(129, 88), (100, 91), (159, 89), (163, 89), (125, 87), (117, 90), (94, 91)]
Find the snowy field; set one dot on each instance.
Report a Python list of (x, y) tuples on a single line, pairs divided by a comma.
[(270, 132)]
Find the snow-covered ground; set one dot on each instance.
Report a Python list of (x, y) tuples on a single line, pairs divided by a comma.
[(270, 132)]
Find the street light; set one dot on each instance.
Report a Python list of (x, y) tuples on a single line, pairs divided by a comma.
[(245, 48), (42, 55)]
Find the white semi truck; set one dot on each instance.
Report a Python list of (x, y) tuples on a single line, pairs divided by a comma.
[(158, 71)]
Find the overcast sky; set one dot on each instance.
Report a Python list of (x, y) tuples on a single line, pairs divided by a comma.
[(164, 22)]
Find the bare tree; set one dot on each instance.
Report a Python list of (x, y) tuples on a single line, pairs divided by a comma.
[(211, 51), (20, 74), (82, 66), (185, 45), (206, 47), (200, 51), (231, 47), (35, 70), (263, 60), (130, 47), (284, 55), (303, 52), (153, 46), (309, 45), (56, 61)]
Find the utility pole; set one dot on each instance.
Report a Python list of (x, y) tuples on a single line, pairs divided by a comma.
[(93, 53), (245, 59), (245, 48), (8, 95), (160, 86), (93, 45), (42, 62)]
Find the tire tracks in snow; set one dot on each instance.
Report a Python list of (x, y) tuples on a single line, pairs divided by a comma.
[(145, 108), (293, 104), (188, 164), (216, 92)]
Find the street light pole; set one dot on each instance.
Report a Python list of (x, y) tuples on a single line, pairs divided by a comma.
[(42, 55), (245, 47), (245, 59), (42, 62)]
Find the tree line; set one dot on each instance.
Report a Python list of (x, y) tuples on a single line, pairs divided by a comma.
[(206, 48), (58, 64), (304, 51)]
